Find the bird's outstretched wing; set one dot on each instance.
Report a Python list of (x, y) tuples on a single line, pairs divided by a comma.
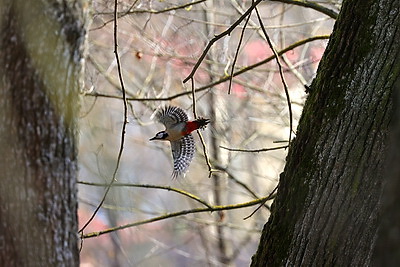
[(182, 153), (171, 115)]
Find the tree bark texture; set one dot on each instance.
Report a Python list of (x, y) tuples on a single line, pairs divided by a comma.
[(387, 250), (41, 64), (326, 209)]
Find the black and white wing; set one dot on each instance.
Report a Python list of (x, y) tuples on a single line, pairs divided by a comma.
[(182, 153), (170, 116)]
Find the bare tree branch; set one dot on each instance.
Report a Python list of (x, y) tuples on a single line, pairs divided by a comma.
[(168, 188), (285, 87), (219, 36), (177, 214), (310, 4), (224, 79), (237, 52), (123, 131), (254, 150), (131, 11), (203, 143), (240, 183), (270, 196)]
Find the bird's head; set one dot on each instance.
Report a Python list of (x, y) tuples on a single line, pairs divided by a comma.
[(160, 136)]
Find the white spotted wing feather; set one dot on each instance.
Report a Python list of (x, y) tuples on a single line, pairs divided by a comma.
[(182, 153), (169, 116)]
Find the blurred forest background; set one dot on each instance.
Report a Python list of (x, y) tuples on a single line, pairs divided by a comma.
[(159, 42)]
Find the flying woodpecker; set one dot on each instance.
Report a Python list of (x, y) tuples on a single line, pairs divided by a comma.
[(178, 130)]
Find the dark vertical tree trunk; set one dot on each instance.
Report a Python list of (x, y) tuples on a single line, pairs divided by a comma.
[(41, 52), (387, 250), (326, 210)]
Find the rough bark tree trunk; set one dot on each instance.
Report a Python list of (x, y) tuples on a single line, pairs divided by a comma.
[(326, 210), (41, 52), (387, 250)]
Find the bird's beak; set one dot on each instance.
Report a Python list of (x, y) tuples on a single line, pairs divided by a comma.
[(151, 139)]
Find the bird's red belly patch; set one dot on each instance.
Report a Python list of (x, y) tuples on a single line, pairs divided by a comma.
[(190, 127)]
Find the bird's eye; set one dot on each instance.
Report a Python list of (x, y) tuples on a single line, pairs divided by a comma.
[(162, 135)]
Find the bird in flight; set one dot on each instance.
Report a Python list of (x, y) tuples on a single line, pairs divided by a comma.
[(177, 131)]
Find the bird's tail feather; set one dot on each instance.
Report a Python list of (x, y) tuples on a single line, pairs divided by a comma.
[(202, 122)]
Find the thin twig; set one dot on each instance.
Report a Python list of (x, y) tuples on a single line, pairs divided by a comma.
[(193, 98), (237, 52), (224, 79), (232, 226), (217, 37), (131, 11), (310, 4), (168, 188), (187, 5), (240, 183), (177, 214), (210, 170), (269, 197), (254, 150), (280, 73), (123, 131)]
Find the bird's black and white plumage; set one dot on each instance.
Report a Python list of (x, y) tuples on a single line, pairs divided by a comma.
[(178, 130), (182, 152)]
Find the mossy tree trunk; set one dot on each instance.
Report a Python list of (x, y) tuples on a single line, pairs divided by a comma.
[(328, 202), (41, 52)]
